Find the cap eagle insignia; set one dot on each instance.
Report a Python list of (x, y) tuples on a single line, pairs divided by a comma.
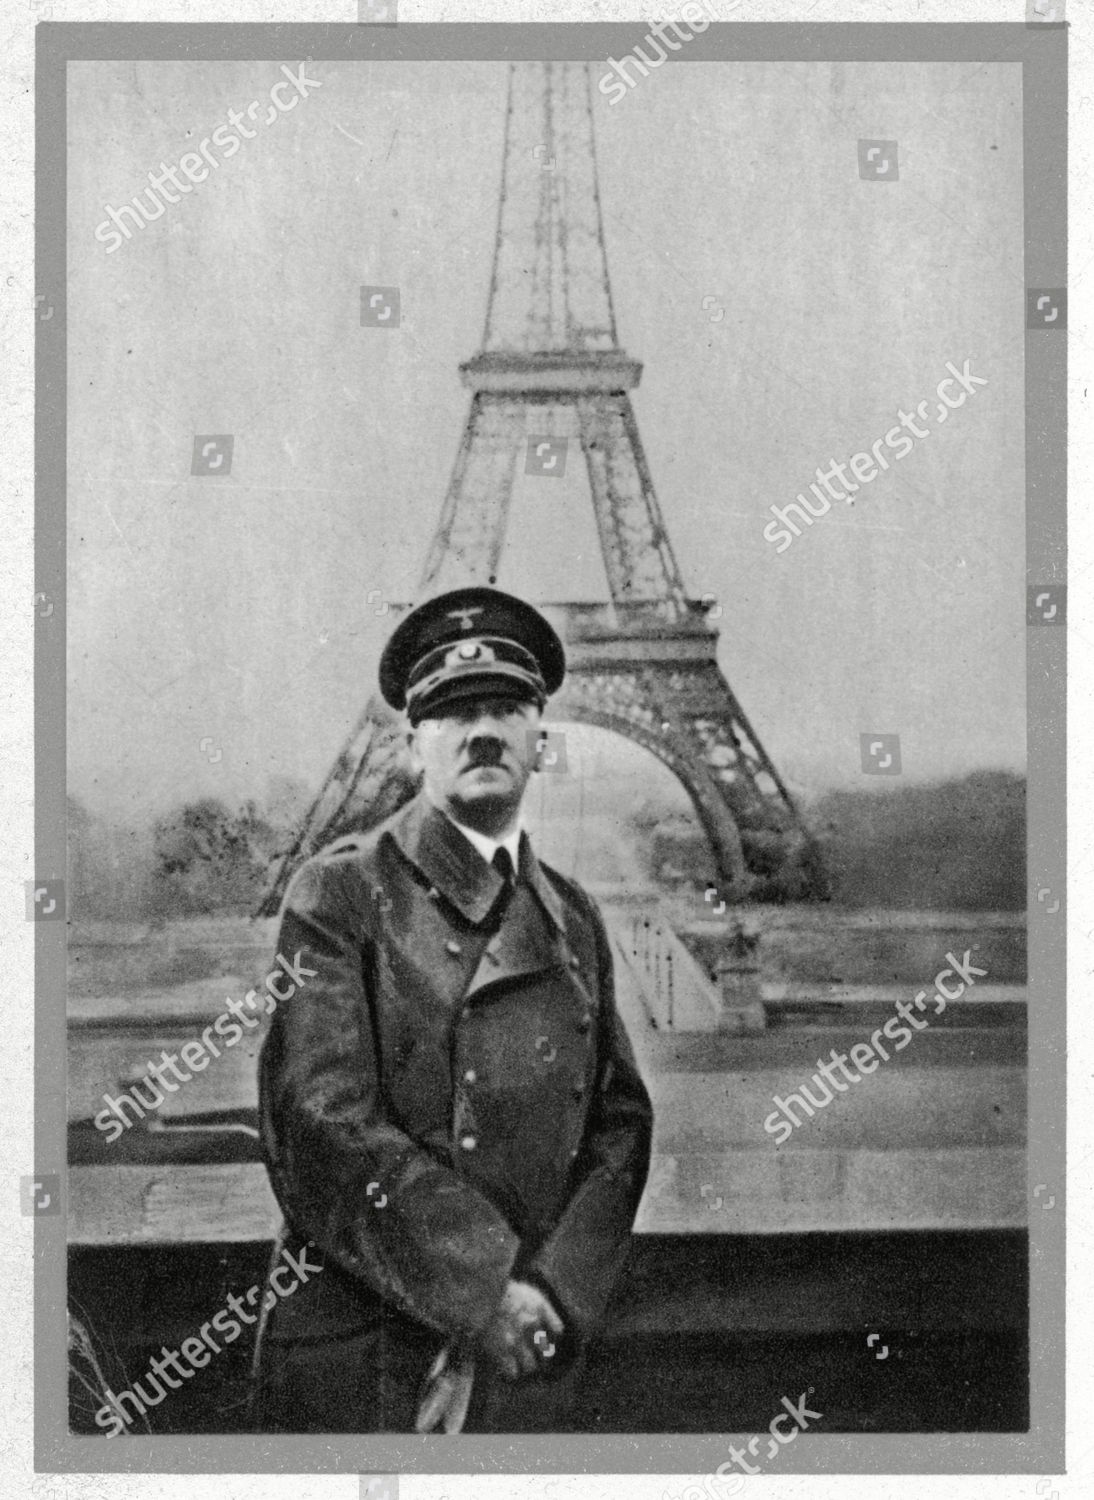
[(465, 616)]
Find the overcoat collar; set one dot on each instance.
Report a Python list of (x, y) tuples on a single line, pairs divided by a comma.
[(452, 864)]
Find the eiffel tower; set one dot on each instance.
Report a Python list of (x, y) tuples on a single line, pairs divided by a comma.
[(551, 373)]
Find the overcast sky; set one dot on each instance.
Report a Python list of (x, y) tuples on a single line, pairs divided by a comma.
[(236, 611)]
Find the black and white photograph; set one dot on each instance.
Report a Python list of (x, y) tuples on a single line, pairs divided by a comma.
[(545, 630)]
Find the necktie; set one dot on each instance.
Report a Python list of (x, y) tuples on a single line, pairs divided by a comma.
[(504, 866)]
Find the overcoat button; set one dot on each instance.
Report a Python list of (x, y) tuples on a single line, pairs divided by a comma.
[(585, 1023), (470, 1076), (579, 1090), (575, 962), (453, 947), (465, 1013), (468, 1142)]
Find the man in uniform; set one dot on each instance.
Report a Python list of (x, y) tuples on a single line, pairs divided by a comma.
[(451, 1115)]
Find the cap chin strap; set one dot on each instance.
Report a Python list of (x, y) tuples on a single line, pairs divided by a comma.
[(425, 706)]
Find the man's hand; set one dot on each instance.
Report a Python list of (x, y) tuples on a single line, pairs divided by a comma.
[(509, 1338), (446, 1391)]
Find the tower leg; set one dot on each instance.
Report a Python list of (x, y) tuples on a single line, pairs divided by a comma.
[(370, 780)]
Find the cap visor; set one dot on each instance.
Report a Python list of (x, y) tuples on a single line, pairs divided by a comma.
[(474, 685)]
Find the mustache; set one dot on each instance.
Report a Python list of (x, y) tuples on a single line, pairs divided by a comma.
[(485, 751)]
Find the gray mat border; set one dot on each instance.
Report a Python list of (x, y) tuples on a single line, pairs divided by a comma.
[(1041, 51)]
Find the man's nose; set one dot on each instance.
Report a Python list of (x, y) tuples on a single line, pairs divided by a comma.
[(485, 734), (487, 721)]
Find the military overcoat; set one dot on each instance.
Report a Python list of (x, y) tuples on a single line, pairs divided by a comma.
[(449, 1101)]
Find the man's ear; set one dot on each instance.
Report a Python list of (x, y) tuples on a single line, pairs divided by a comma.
[(412, 750), (535, 729)]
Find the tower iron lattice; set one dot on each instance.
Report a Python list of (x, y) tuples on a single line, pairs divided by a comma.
[(644, 663)]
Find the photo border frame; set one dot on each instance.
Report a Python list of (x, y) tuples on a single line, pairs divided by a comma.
[(1041, 52)]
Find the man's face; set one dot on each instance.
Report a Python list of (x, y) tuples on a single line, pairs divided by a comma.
[(477, 755)]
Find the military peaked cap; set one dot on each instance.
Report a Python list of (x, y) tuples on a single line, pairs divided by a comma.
[(470, 642)]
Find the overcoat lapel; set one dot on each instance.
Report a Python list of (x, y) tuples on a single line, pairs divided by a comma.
[(523, 945), (449, 862), (453, 866)]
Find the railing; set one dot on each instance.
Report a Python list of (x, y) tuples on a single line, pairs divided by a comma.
[(675, 992)]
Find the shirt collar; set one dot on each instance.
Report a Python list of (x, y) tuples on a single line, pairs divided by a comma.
[(451, 864), (485, 845)]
